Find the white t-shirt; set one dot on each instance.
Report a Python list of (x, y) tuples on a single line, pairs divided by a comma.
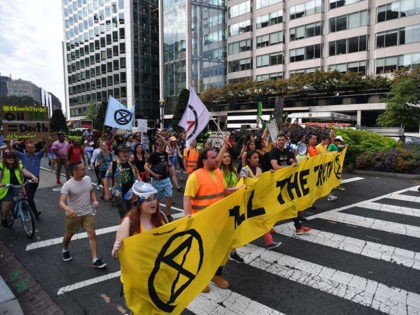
[(78, 195)]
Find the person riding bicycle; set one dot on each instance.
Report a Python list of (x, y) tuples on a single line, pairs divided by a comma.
[(11, 173)]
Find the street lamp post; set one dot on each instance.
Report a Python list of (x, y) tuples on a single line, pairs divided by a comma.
[(162, 112)]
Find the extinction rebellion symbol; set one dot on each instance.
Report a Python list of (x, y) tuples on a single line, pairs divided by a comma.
[(184, 253), (123, 116), (192, 123)]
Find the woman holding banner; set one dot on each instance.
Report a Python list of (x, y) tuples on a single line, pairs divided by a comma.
[(144, 215), (252, 170), (230, 176)]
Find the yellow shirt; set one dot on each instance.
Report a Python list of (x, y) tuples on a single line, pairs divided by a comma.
[(321, 148)]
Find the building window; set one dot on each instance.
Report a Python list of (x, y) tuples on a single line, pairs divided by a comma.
[(269, 19), (265, 3), (306, 31), (239, 28), (390, 64), (239, 9), (397, 9), (339, 3), (350, 45), (349, 21), (237, 47), (305, 9), (305, 53), (405, 35), (240, 65), (270, 60)]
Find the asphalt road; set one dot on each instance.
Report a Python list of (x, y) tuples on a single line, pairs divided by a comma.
[(358, 259)]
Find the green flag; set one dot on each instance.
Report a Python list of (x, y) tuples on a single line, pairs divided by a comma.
[(259, 109)]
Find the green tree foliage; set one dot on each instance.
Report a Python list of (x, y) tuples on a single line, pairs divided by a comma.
[(180, 108), (91, 111), (320, 82), (58, 121), (398, 112), (99, 118)]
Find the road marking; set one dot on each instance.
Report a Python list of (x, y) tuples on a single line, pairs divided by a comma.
[(354, 288), (376, 224), (85, 283), (391, 208), (406, 198), (220, 301), (78, 236), (349, 180), (353, 245)]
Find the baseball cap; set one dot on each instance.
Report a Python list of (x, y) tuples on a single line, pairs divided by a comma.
[(339, 138)]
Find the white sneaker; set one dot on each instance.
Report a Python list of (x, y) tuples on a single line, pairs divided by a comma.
[(331, 197)]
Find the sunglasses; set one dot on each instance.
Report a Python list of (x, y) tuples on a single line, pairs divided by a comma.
[(10, 156)]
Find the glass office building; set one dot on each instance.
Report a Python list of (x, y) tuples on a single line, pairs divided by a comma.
[(111, 49), (194, 47), (272, 38)]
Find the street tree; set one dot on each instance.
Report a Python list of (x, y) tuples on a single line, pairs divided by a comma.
[(401, 106), (58, 121), (183, 97), (99, 117)]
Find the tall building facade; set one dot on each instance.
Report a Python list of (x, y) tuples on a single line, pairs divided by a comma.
[(273, 38), (3, 85), (193, 51), (111, 49), (21, 87)]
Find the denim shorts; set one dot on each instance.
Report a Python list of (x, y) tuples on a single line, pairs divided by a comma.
[(163, 187)]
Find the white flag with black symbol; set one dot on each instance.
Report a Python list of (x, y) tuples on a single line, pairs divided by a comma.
[(117, 115), (195, 118)]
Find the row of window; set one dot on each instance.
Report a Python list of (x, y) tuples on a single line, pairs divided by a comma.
[(120, 92), (239, 65), (306, 31), (404, 35), (398, 9), (81, 42), (82, 9), (241, 46), (349, 21), (390, 64), (91, 58), (336, 24), (305, 9), (305, 53), (262, 41), (269, 76), (340, 3), (347, 46), (270, 60), (394, 10), (98, 70), (269, 19), (357, 66), (110, 80)]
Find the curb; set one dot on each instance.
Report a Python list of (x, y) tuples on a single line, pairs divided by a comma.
[(384, 174), (31, 297)]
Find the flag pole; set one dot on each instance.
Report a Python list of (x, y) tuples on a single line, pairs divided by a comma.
[(218, 127)]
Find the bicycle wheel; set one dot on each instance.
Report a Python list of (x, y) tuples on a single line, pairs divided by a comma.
[(27, 219)]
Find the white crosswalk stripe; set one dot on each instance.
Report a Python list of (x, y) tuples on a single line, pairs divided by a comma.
[(391, 208), (356, 246), (345, 285)]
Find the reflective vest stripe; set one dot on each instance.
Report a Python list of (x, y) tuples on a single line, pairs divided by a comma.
[(221, 194)]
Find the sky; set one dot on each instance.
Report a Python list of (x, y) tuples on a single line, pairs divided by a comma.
[(30, 43)]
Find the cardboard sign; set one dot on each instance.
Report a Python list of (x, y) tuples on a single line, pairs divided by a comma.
[(273, 130), (142, 125), (28, 122), (216, 139)]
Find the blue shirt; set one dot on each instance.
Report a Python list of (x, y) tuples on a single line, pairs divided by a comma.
[(31, 163)]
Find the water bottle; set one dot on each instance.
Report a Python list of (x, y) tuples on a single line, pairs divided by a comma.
[(95, 206)]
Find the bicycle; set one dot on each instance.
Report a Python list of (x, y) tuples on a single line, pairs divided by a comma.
[(22, 210)]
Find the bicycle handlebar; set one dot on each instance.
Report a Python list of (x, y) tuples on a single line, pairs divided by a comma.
[(18, 186)]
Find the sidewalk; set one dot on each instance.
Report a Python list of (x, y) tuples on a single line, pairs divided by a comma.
[(20, 293)]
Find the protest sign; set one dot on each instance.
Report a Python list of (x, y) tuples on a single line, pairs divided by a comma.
[(25, 121)]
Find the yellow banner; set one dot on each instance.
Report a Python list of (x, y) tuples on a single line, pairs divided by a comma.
[(165, 269)]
